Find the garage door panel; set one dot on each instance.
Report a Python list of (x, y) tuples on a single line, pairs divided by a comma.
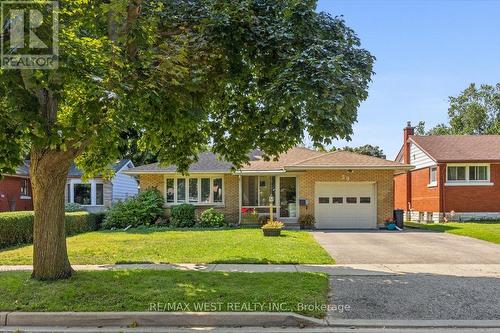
[(331, 214)]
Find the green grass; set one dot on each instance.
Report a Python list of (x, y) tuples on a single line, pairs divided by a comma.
[(488, 230), (143, 290), (247, 246)]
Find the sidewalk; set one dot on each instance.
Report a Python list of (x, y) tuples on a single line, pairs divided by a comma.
[(463, 270)]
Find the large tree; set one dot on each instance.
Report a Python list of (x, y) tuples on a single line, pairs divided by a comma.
[(235, 75), (367, 149), (476, 110)]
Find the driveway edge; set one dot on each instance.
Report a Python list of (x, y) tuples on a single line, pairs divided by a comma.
[(370, 323), (159, 319)]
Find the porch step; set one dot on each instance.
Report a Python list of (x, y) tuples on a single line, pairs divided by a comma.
[(292, 226)]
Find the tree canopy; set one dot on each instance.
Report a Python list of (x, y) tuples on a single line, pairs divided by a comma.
[(237, 75), (476, 110), (367, 149)]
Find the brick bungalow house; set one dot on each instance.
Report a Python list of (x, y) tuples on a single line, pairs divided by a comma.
[(15, 191), (459, 174), (341, 189)]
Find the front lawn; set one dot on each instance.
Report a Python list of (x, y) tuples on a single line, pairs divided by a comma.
[(146, 290), (488, 231), (246, 246)]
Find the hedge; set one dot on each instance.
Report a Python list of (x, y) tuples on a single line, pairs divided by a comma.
[(17, 227)]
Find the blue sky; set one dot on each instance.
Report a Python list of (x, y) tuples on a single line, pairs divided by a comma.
[(426, 51)]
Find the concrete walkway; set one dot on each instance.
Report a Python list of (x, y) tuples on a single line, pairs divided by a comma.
[(461, 270)]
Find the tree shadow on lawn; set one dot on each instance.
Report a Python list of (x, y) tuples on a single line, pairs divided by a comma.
[(231, 260)]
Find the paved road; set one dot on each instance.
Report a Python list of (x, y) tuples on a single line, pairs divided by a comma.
[(247, 330), (415, 296), (407, 247)]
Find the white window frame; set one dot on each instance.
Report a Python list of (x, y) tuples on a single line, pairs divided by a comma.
[(433, 183), (198, 203), (25, 184), (93, 191), (467, 181)]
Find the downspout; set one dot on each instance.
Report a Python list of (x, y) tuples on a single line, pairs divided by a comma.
[(442, 178)]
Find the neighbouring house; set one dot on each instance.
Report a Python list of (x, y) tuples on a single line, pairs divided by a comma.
[(341, 189), (454, 177), (98, 194), (15, 190)]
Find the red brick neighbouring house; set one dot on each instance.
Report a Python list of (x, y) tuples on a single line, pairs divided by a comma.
[(454, 177), (15, 191)]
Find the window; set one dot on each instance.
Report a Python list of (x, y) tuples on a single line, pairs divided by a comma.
[(181, 190), (288, 197), (477, 173), (256, 190), (468, 174), (337, 200), (205, 190), (170, 190), (365, 200), (433, 175), (456, 173), (217, 189), (99, 194), (193, 190), (324, 200), (351, 200), (85, 194), (82, 194), (24, 187)]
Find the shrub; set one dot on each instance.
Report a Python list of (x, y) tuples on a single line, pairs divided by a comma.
[(211, 218), (17, 227), (144, 209), (73, 207), (182, 216), (307, 221)]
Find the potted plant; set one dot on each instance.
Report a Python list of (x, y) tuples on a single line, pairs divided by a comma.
[(272, 228), (390, 224), (307, 221)]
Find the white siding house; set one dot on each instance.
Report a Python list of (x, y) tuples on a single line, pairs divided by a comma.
[(98, 194)]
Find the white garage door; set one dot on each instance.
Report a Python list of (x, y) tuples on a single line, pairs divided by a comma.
[(345, 206)]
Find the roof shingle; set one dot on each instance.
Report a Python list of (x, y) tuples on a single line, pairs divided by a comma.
[(460, 148)]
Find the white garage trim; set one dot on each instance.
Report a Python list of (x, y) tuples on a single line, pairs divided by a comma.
[(344, 215)]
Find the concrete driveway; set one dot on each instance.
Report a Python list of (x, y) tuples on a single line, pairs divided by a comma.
[(407, 247)]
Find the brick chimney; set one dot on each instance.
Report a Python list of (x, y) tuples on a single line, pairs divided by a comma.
[(408, 130)]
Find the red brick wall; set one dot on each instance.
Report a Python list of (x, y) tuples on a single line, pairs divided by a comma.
[(400, 192), (423, 198), (10, 190), (475, 198)]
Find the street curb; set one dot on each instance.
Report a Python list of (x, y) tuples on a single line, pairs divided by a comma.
[(369, 323), (3, 319), (157, 319)]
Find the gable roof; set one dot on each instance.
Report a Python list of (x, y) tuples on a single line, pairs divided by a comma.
[(293, 156), (297, 158), (207, 162), (459, 148), (74, 172), (343, 159)]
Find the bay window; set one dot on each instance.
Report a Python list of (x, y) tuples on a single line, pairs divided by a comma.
[(194, 190), (85, 194)]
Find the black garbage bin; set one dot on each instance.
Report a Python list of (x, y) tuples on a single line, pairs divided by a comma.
[(399, 218)]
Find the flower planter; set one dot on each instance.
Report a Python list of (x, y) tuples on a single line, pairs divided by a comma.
[(271, 232)]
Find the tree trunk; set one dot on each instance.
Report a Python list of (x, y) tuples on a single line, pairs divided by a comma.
[(49, 170)]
